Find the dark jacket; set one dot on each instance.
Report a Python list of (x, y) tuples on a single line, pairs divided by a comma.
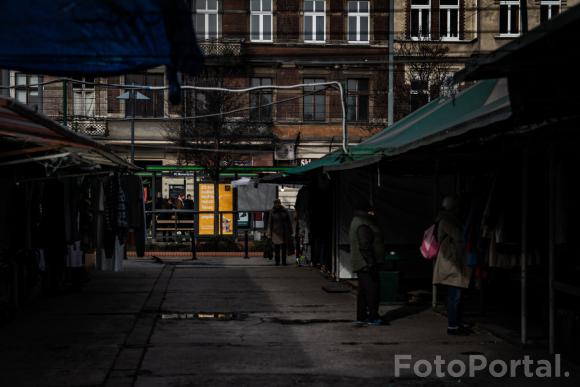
[(366, 242), (279, 226)]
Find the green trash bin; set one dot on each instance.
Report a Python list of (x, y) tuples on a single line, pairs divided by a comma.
[(389, 285), (390, 278)]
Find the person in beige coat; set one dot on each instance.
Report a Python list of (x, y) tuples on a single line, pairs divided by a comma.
[(451, 267)]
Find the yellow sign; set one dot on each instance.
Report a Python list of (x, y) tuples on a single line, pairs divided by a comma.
[(206, 203), (226, 197), (226, 204)]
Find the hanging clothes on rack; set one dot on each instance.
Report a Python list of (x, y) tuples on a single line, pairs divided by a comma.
[(133, 188)]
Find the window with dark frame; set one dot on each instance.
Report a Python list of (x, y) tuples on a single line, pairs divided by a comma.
[(154, 106), (314, 105), (261, 100), (357, 101), (419, 93)]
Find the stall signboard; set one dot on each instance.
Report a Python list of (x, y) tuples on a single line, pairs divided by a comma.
[(206, 203), (226, 207), (207, 207), (243, 219)]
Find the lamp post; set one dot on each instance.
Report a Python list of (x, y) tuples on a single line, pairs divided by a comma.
[(132, 95)]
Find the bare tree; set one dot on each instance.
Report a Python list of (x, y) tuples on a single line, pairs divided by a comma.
[(215, 123), (424, 70)]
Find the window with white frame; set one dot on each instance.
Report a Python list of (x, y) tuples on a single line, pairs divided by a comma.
[(207, 19), (358, 21), (84, 97), (261, 20), (26, 89), (549, 9), (314, 21), (449, 19), (509, 17), (420, 23)]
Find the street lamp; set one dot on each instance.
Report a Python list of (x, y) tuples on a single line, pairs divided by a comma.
[(132, 95)]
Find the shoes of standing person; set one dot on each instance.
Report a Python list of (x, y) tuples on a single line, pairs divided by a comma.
[(458, 332), (375, 322)]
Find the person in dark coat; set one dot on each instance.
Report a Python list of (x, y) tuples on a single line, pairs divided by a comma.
[(366, 252), (279, 231)]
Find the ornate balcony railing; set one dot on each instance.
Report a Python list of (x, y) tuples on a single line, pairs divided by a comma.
[(221, 48)]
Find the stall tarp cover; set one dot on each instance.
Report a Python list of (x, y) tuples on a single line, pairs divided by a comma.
[(252, 198), (98, 37)]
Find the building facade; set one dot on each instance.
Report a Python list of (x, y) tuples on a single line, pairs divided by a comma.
[(289, 42)]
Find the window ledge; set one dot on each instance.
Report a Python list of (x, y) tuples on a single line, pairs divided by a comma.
[(507, 36)]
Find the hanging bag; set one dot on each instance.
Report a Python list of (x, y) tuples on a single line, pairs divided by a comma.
[(430, 245)]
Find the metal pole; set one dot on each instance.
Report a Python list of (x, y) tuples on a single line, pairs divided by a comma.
[(435, 211), (64, 103), (524, 247), (391, 64), (153, 207), (132, 98), (246, 241), (552, 250), (193, 244)]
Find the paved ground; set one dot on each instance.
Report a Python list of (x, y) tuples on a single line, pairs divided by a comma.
[(133, 329)]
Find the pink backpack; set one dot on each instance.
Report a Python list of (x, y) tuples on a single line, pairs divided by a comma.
[(430, 245)]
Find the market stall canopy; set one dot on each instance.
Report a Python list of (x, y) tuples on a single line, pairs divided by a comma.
[(98, 37), (480, 105), (35, 135)]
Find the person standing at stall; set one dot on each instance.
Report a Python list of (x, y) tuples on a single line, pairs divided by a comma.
[(279, 231), (366, 251), (451, 267)]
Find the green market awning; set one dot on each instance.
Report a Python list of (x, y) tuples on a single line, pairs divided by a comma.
[(480, 105)]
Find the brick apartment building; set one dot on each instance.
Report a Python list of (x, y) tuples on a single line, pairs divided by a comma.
[(286, 42)]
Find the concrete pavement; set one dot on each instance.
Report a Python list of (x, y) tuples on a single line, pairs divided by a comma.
[(132, 329)]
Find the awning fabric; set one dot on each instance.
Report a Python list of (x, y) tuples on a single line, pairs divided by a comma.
[(480, 105), (97, 37), (21, 124)]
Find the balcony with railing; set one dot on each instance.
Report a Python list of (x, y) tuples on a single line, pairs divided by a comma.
[(222, 48)]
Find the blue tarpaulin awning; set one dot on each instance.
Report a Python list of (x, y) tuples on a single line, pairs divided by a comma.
[(97, 37)]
